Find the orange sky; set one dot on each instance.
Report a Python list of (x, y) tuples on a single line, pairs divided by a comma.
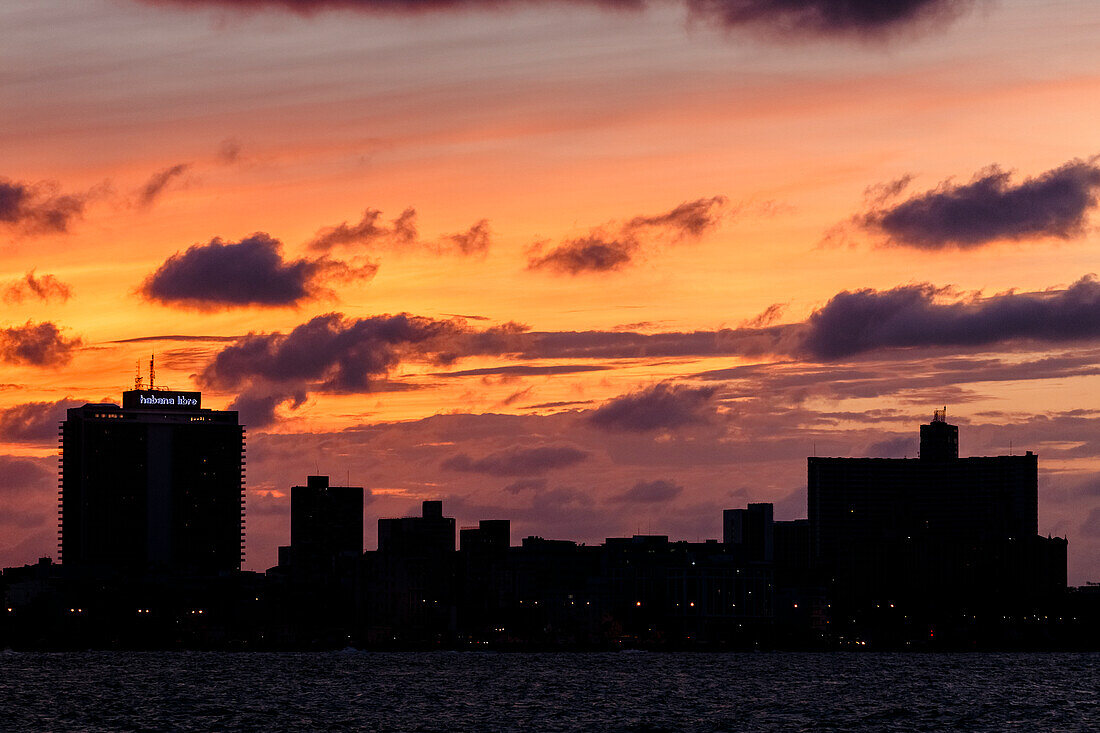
[(553, 123)]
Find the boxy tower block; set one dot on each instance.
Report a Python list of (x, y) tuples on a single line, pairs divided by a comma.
[(156, 485)]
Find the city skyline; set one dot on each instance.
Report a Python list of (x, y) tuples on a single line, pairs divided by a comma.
[(591, 267)]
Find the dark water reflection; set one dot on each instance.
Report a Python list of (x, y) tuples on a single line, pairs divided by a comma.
[(538, 692)]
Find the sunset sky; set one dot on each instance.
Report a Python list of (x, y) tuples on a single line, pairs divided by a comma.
[(600, 267)]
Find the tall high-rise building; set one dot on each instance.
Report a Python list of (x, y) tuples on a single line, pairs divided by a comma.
[(751, 530), (155, 485), (326, 523), (933, 527)]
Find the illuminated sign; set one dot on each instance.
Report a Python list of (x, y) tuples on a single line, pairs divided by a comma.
[(157, 399)]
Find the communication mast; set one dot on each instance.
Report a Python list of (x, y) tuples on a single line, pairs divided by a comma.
[(137, 376), (940, 415), (152, 372)]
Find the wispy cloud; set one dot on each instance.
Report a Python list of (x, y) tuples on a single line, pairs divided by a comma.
[(615, 246)]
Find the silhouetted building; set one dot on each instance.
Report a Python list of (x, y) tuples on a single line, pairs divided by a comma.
[(429, 533), (485, 576), (490, 537), (939, 440), (410, 582), (326, 523), (938, 532), (156, 484), (751, 530)]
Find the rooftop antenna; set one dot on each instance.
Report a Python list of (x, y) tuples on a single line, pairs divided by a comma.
[(940, 415), (152, 372), (137, 376)]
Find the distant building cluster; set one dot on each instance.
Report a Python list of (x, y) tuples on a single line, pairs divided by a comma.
[(935, 551)]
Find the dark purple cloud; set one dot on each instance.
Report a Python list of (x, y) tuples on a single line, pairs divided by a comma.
[(257, 408), (251, 272), (660, 407), (156, 184), (36, 344), (331, 353), (989, 208), (25, 475), (38, 208), (34, 422), (44, 288), (649, 492), (613, 247), (825, 17), (517, 461), (855, 322)]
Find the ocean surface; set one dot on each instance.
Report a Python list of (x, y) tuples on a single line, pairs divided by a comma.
[(624, 691)]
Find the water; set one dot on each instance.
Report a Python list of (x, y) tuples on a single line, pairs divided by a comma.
[(623, 691)]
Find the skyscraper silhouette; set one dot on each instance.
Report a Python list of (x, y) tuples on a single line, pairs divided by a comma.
[(154, 485), (938, 531)]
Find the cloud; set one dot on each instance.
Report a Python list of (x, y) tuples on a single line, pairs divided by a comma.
[(401, 234), (25, 475), (473, 241), (853, 322), (38, 208), (369, 231), (525, 371), (593, 253), (767, 317), (331, 353), (174, 337), (257, 409), (689, 219), (517, 461), (1091, 526), (614, 247), (827, 17), (158, 182), (251, 272), (44, 288), (229, 151), (660, 407), (632, 345), (34, 422), (36, 344), (649, 492), (335, 354), (989, 208), (526, 484), (807, 17)]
